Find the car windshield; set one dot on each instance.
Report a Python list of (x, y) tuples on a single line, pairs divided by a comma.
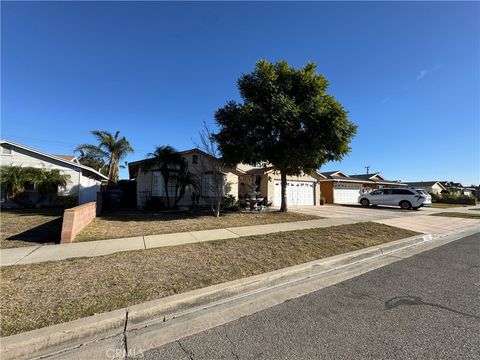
[(421, 191)]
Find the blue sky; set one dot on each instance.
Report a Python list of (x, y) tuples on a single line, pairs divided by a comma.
[(407, 73)]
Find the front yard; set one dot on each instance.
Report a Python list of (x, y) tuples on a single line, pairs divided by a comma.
[(27, 227), (38, 295), (446, 205), (121, 224), (459, 215)]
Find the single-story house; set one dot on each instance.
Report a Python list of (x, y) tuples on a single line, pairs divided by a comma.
[(432, 187), (84, 181), (457, 188), (339, 188), (240, 182), (301, 190)]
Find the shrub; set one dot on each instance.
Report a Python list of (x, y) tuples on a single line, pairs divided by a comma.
[(229, 203), (454, 199), (155, 203), (66, 201)]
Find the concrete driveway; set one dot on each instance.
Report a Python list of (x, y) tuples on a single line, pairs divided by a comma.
[(415, 220), (359, 213)]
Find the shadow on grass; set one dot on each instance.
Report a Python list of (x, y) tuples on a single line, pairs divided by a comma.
[(45, 233)]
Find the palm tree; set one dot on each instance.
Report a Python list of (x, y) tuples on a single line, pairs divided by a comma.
[(48, 182), (12, 179), (110, 147), (185, 179), (169, 161)]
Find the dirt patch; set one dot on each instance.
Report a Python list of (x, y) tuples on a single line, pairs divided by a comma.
[(38, 295)]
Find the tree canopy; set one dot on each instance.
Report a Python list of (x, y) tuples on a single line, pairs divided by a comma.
[(286, 120)]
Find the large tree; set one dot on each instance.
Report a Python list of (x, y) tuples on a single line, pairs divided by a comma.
[(111, 147), (286, 120)]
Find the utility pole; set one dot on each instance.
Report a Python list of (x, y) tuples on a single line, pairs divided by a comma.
[(368, 168)]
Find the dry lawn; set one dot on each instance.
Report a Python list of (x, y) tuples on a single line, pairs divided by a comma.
[(447, 206), (121, 224), (27, 227), (458, 215), (38, 295)]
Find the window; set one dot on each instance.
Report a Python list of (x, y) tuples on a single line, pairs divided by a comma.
[(213, 185), (377, 192), (6, 150), (195, 159), (157, 184)]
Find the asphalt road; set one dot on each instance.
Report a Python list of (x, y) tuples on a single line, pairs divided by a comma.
[(423, 307)]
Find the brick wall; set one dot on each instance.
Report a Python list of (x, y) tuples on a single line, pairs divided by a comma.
[(75, 219)]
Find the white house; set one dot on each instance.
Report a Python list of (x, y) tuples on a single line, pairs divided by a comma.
[(84, 181)]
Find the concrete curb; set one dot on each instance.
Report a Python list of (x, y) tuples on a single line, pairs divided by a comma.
[(62, 337)]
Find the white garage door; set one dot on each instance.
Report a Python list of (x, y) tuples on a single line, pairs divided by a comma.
[(298, 193), (346, 193)]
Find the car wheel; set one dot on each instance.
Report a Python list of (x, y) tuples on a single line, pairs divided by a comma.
[(405, 205), (364, 202)]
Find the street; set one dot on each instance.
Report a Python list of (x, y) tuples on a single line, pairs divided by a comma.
[(423, 307)]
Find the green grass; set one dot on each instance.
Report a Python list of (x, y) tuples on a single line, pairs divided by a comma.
[(38, 295)]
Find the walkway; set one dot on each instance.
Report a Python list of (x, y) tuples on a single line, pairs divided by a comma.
[(332, 215), (36, 254)]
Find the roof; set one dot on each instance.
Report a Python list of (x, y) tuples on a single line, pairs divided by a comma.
[(133, 166), (424, 183), (367, 176), (55, 157), (333, 174), (66, 157), (363, 178)]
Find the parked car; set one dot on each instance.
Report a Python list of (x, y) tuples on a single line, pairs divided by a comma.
[(405, 198)]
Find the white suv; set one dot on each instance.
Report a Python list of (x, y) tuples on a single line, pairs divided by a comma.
[(405, 198)]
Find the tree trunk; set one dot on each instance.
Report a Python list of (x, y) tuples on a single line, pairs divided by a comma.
[(283, 177), (111, 167)]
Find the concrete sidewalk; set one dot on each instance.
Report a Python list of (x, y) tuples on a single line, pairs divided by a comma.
[(36, 254)]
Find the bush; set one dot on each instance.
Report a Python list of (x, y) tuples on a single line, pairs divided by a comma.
[(229, 203), (454, 199)]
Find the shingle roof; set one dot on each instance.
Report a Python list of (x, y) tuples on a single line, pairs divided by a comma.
[(422, 183), (65, 157)]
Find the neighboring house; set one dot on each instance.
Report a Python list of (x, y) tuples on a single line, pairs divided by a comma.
[(339, 188), (301, 190), (457, 188), (432, 187), (239, 182), (476, 191), (84, 181)]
